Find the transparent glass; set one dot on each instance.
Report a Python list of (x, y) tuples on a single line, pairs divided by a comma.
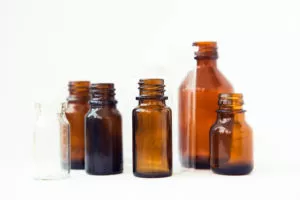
[(51, 152)]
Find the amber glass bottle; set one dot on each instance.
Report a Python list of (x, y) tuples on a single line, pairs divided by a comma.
[(231, 138), (103, 137), (198, 96), (78, 106), (152, 131)]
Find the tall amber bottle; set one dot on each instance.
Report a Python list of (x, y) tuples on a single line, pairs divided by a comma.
[(78, 106), (231, 139), (198, 96), (152, 131), (103, 137)]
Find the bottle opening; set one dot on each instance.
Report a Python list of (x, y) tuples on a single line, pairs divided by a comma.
[(206, 50), (78, 90), (231, 101), (102, 93), (151, 88)]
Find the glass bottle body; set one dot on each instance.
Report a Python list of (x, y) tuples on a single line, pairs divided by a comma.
[(231, 140), (51, 144), (152, 136), (103, 137), (198, 96), (77, 108)]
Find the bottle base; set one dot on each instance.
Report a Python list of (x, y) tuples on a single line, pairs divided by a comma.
[(234, 170), (78, 164), (197, 163), (153, 174), (104, 173)]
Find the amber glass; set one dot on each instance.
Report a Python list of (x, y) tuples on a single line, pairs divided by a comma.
[(198, 96), (78, 106), (103, 135), (152, 132), (231, 138)]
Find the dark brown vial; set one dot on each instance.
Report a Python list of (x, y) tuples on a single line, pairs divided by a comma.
[(231, 148), (152, 131), (77, 107), (103, 132)]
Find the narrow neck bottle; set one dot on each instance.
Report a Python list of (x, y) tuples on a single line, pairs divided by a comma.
[(151, 92), (78, 91), (102, 95), (206, 54)]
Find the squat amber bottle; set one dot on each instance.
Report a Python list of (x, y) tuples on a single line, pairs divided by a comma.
[(152, 131), (198, 97), (231, 138), (77, 107), (103, 137)]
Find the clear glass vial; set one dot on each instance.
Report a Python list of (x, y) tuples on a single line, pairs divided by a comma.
[(51, 143)]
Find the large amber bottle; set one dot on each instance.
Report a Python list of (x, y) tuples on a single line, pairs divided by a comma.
[(103, 137), (198, 96), (152, 131), (231, 138), (78, 106)]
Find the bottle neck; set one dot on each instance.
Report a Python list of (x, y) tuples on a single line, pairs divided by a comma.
[(103, 95), (151, 92), (152, 102), (206, 63), (236, 115), (78, 92)]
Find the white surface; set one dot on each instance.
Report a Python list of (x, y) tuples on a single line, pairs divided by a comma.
[(44, 44)]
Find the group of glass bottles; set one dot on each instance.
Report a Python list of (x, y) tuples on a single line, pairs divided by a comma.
[(221, 141)]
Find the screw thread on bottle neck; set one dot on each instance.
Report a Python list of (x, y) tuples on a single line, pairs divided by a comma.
[(151, 89), (78, 91), (102, 94)]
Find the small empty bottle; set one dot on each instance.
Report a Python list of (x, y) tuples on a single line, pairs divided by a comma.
[(78, 106), (152, 131), (51, 143), (103, 137), (231, 151)]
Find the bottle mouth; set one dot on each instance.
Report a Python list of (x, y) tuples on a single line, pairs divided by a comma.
[(102, 94), (151, 88), (206, 50), (231, 100), (79, 90)]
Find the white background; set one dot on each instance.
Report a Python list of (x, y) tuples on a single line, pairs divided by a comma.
[(45, 44)]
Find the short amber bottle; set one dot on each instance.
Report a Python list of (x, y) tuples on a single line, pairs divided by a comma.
[(103, 137), (231, 148), (198, 97), (78, 106), (152, 131)]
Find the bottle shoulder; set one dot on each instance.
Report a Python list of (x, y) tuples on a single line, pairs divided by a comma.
[(240, 127), (206, 78), (103, 112)]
